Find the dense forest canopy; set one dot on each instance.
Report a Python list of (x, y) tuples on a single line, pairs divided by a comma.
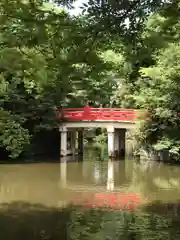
[(116, 53)]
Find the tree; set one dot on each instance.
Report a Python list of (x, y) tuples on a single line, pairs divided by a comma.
[(47, 61), (154, 87), (161, 98)]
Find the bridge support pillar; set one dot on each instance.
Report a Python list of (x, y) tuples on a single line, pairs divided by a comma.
[(111, 145), (63, 143), (80, 142)]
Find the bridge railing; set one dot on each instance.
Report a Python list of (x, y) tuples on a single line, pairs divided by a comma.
[(94, 114)]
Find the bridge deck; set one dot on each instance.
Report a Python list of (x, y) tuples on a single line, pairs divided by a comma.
[(99, 124)]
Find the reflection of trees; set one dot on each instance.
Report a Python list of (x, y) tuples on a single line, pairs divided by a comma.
[(150, 180), (138, 174), (34, 222), (29, 182), (21, 220), (97, 225), (87, 173), (154, 180)]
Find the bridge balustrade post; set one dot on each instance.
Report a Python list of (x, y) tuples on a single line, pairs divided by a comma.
[(111, 145), (63, 141)]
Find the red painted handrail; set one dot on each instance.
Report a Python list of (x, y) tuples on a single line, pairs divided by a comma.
[(93, 114)]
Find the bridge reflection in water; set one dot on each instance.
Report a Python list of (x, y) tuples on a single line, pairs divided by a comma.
[(142, 183), (96, 195), (52, 183), (31, 197)]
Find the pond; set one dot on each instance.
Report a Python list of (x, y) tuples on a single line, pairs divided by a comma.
[(49, 200)]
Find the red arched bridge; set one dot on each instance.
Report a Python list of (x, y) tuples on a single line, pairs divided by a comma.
[(115, 120), (98, 114)]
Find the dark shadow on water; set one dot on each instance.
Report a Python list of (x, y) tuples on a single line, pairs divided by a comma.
[(77, 158), (24, 221), (30, 161), (169, 208)]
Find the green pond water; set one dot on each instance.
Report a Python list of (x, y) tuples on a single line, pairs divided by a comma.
[(35, 198)]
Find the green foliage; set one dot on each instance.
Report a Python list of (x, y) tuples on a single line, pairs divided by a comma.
[(97, 224), (13, 137), (156, 89), (152, 80), (51, 59), (47, 60), (160, 97), (101, 139)]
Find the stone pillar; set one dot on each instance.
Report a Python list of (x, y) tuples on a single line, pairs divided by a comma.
[(63, 139), (110, 178), (111, 145), (80, 142)]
